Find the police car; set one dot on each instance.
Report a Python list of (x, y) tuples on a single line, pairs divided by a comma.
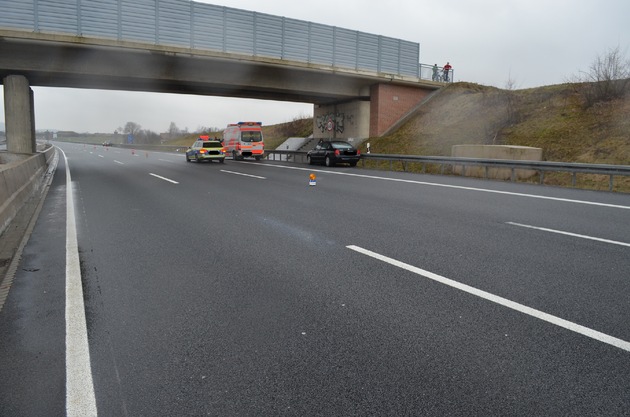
[(205, 149)]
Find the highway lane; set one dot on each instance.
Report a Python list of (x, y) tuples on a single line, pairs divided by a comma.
[(210, 292)]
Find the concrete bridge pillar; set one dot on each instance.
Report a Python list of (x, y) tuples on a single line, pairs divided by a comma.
[(344, 121), (19, 115)]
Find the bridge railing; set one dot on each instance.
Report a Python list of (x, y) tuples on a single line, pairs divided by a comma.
[(541, 167), (189, 24), (429, 72)]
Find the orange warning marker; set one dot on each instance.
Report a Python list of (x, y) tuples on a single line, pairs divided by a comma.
[(312, 180)]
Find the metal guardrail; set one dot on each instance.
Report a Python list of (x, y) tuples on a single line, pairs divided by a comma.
[(541, 167)]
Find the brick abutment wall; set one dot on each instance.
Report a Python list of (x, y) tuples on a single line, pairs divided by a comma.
[(389, 103)]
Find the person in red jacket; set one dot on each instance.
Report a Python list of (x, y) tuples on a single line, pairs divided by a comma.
[(447, 69)]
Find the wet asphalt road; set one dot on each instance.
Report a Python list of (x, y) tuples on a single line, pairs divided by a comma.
[(231, 289)]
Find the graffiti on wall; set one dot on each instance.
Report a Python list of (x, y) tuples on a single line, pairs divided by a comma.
[(331, 122)]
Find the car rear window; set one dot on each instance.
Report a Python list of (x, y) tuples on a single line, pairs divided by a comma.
[(341, 145), (212, 144)]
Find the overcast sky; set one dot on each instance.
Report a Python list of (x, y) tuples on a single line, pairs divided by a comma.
[(528, 42)]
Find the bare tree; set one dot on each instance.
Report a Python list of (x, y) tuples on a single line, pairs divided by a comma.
[(149, 136), (608, 77), (132, 128), (173, 131), (511, 101), (504, 107)]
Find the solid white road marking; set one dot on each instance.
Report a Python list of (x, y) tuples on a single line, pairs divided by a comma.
[(80, 399), (163, 178), (593, 334), (459, 187), (242, 174), (118, 162), (560, 232)]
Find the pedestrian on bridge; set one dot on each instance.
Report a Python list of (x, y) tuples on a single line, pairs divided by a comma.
[(447, 69)]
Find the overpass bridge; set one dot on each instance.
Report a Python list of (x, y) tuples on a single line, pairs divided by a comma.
[(359, 83)]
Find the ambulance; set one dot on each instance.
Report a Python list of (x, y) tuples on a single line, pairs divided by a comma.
[(244, 140)]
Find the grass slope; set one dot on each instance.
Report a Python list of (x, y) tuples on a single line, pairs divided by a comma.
[(553, 118)]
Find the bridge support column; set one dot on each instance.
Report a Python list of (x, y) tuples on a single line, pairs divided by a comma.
[(348, 121), (19, 115)]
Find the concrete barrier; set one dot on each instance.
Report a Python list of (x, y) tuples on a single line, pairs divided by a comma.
[(505, 152), (20, 177)]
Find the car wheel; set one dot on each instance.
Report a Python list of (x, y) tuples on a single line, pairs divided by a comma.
[(353, 164), (187, 159), (257, 158), (197, 158), (329, 162), (222, 160), (310, 160)]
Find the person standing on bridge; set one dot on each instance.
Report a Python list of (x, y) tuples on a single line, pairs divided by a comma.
[(447, 69), (435, 72)]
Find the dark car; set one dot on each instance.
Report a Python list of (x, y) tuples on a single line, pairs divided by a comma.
[(334, 152)]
